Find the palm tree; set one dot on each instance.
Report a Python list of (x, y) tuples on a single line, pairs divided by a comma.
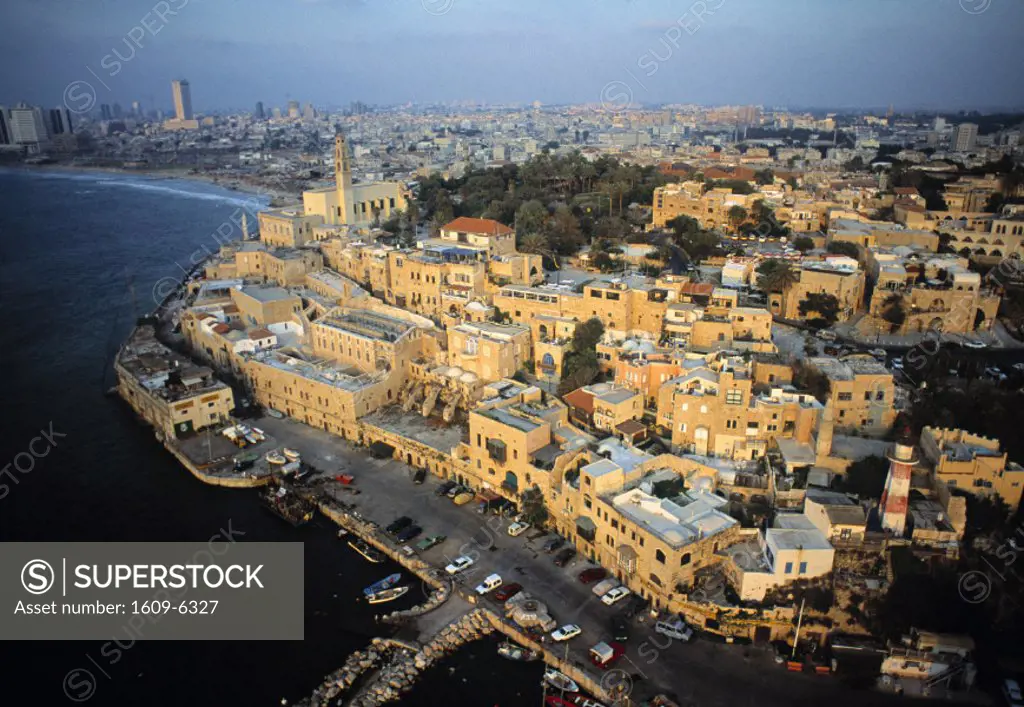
[(534, 243), (778, 277), (737, 215), (893, 312)]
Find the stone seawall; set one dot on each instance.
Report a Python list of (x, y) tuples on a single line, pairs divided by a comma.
[(233, 482)]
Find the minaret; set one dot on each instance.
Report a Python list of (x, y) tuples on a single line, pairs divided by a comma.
[(245, 225), (343, 178), (892, 509)]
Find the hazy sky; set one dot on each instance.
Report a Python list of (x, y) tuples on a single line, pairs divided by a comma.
[(837, 53)]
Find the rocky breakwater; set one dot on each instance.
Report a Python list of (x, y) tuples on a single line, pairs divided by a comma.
[(401, 673), (438, 596)]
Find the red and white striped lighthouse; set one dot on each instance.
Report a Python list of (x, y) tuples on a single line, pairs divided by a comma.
[(896, 497)]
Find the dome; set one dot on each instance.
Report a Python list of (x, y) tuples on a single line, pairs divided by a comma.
[(630, 345), (646, 347), (454, 372)]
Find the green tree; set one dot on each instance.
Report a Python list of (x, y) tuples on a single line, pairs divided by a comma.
[(764, 177), (866, 477), (534, 242), (737, 215), (580, 366), (563, 231), (531, 217), (821, 304), (893, 311), (692, 239), (776, 275), (808, 378), (843, 248), (803, 244)]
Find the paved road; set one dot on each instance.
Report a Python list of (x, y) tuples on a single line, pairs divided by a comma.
[(701, 673)]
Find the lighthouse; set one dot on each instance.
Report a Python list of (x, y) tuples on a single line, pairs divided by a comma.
[(892, 509)]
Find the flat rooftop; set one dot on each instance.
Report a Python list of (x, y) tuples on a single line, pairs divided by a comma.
[(430, 431), (507, 418), (849, 367), (267, 294), (369, 324), (678, 525), (326, 372)]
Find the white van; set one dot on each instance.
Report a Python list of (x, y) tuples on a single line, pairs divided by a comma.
[(605, 586), (676, 629), (492, 582)]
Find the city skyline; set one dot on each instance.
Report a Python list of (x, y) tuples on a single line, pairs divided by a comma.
[(708, 52)]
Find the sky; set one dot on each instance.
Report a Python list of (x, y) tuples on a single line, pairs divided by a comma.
[(915, 54)]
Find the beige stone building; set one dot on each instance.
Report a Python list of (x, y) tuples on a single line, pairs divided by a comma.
[(487, 234), (604, 406), (487, 350), (846, 284), (861, 394), (972, 463), (167, 390), (261, 306), (721, 413)]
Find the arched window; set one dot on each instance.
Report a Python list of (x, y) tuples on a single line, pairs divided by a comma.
[(659, 556), (684, 560)]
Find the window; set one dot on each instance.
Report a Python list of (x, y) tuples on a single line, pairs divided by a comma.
[(734, 397), (803, 568), (867, 395), (682, 428), (587, 502), (789, 568), (615, 524), (612, 296), (844, 397), (684, 560), (595, 293), (880, 395), (730, 424), (659, 556)]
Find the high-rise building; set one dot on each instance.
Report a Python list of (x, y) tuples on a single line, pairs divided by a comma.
[(259, 114), (27, 125), (59, 121), (309, 112), (940, 124), (182, 99), (892, 509), (5, 129), (137, 109), (276, 112), (105, 112), (293, 109), (965, 137), (118, 111)]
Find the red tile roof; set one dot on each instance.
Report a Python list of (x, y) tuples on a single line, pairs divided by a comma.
[(260, 333), (912, 191), (222, 328), (581, 400), (697, 288), (481, 226)]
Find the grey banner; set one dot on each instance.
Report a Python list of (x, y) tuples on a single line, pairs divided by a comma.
[(217, 590)]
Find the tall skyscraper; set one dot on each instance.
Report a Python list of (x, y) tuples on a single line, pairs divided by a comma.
[(27, 125), (59, 121), (892, 509), (182, 99), (965, 137), (118, 111), (309, 112), (5, 128), (105, 112), (259, 114), (293, 109), (136, 109)]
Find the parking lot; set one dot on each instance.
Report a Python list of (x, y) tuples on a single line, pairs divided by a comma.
[(704, 672)]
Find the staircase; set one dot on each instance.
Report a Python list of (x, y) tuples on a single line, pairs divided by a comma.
[(431, 400)]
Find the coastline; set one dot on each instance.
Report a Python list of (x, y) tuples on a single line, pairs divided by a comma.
[(276, 196)]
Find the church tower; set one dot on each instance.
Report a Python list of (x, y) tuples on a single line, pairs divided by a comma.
[(892, 509), (343, 177)]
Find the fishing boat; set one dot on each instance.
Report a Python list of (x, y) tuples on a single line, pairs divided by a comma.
[(386, 595), (369, 553), (342, 533), (291, 454), (513, 652), (275, 457), (276, 414), (382, 584), (560, 681), (287, 506)]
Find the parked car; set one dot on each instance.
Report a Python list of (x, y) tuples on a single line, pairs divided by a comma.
[(972, 344), (564, 556), (614, 596), (619, 628), (676, 629), (592, 574), (897, 363), (507, 591), (430, 542), (552, 544), (419, 476), (518, 528), (454, 491), (408, 534), (398, 525), (604, 586), (493, 581), (445, 487), (565, 633), (879, 353), (1012, 693), (464, 497), (826, 335), (460, 564)]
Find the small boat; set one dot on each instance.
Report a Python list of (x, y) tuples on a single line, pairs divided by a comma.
[(560, 681), (276, 414), (342, 533), (386, 595), (291, 454), (371, 554), (513, 652), (276, 457), (382, 584), (287, 506)]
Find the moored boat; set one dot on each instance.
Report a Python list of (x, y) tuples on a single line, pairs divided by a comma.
[(369, 553), (560, 681), (382, 584), (291, 454), (386, 595), (513, 652), (287, 506), (275, 457)]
